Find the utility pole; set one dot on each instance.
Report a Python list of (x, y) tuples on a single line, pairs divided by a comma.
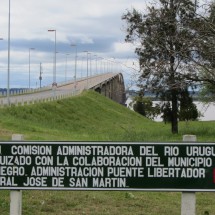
[(40, 77), (29, 79)]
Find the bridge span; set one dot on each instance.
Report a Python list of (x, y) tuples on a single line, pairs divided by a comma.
[(113, 88), (110, 85)]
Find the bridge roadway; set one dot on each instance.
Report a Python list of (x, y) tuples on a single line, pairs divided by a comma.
[(68, 88)]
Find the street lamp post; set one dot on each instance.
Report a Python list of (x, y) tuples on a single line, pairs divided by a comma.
[(8, 68), (74, 45), (101, 65), (66, 67), (29, 79), (54, 84), (90, 65), (96, 63), (40, 77), (82, 67), (87, 69)]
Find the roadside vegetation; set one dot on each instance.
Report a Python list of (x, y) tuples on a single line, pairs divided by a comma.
[(92, 117)]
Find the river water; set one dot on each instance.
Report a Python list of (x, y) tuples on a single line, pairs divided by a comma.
[(207, 111)]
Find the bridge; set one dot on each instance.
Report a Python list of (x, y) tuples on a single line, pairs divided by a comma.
[(110, 85)]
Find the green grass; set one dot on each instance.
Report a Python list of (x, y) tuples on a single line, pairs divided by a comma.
[(105, 203), (85, 117), (90, 116)]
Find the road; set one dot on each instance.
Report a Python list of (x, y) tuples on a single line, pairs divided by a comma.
[(61, 90)]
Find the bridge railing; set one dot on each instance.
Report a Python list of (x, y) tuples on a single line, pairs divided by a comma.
[(42, 99)]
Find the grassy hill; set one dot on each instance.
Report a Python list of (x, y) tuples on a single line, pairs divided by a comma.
[(91, 116)]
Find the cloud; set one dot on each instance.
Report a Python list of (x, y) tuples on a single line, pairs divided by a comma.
[(95, 26), (123, 48)]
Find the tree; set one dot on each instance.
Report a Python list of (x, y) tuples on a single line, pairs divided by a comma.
[(167, 45), (207, 93), (167, 112), (206, 61), (139, 106), (144, 106), (188, 110)]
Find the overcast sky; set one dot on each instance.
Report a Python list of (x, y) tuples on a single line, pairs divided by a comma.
[(94, 26)]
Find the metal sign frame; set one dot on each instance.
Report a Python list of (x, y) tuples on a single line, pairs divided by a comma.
[(116, 166)]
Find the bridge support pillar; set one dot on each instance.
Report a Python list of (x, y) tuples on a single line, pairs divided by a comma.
[(113, 88)]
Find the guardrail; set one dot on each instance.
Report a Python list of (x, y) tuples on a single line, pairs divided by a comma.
[(35, 100)]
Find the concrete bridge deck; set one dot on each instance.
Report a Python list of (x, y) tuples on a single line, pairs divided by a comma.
[(101, 81)]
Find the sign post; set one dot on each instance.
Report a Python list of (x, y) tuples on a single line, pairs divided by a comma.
[(188, 199), (16, 195)]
